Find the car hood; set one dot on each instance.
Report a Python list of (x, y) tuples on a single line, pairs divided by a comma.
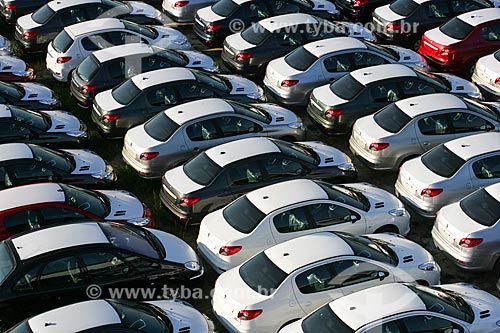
[(124, 205), (180, 181), (63, 121), (27, 23), (409, 57), (170, 38), (184, 318), (5, 46), (386, 13), (137, 139), (356, 30), (279, 115), (106, 101), (36, 92), (329, 156), (279, 70), (324, 5), (241, 85), (437, 36), (176, 249), (141, 8), (199, 60), (208, 15), (380, 200), (415, 172), (16, 64), (459, 85), (326, 96), (238, 43), (86, 162), (453, 219)]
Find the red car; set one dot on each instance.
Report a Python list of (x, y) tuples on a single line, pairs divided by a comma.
[(458, 44), (14, 69)]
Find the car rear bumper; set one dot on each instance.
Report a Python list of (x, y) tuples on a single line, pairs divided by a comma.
[(217, 265), (176, 210), (427, 211), (368, 159), (286, 99), (142, 170), (487, 91)]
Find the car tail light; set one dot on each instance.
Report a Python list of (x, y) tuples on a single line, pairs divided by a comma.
[(213, 27), (249, 314), (359, 3), (470, 242), (29, 34), (378, 146), (185, 201), (392, 27), (229, 250), (431, 192), (444, 52), (497, 81), (147, 156), (180, 4), (109, 118), (289, 83), (331, 113), (87, 88), (243, 56), (10, 6), (147, 212), (62, 60)]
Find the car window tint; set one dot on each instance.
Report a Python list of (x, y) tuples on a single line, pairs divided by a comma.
[(326, 214), (324, 320), (462, 6), (232, 126), (257, 10), (246, 173), (62, 42), (486, 168), (300, 59), (255, 34), (403, 7), (73, 15), (116, 69), (346, 87), (261, 274), (201, 169), (203, 130), (467, 122), (292, 220), (385, 93), (94, 43), (434, 125), (281, 167), (416, 88), (61, 273), (27, 282), (364, 59), (253, 111), (160, 127), (192, 91), (456, 28), (242, 215), (442, 161), (43, 14), (289, 37), (56, 214), (21, 221), (391, 118), (491, 33), (88, 68), (366, 247), (162, 96), (437, 9), (338, 63), (104, 267), (316, 279), (428, 324)]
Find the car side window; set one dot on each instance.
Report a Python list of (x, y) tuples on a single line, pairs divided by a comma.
[(122, 37), (350, 272), (389, 327), (385, 93), (338, 63), (231, 126), (429, 324), (364, 59), (491, 33), (57, 214), (281, 167), (73, 15), (162, 96), (60, 273), (95, 10), (316, 279), (13, 130), (437, 9), (416, 88), (246, 173), (280, 7), (467, 122), (27, 282), (326, 214), (116, 69), (292, 220), (203, 130), (22, 221), (257, 10), (4, 178), (434, 125), (105, 267), (193, 91), (462, 6), (152, 63), (94, 43), (488, 167), (289, 38), (31, 171)]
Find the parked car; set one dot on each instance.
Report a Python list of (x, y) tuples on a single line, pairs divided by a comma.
[(412, 126), (51, 267), (403, 22), (11, 10), (250, 51), (145, 95), (153, 148), (217, 176), (14, 69), (457, 44), (73, 44), (48, 128), (31, 95), (266, 217), (406, 308), (292, 279), (33, 206), (5, 46), (184, 10), (174, 315), (107, 68), (467, 230), (359, 10), (22, 164), (449, 172), (213, 24), (487, 76), (291, 79), (335, 107), (36, 30)]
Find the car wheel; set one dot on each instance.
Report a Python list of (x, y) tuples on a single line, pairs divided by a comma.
[(387, 228), (415, 43), (470, 69)]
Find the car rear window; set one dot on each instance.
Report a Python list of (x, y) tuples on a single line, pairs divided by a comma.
[(391, 118), (62, 42), (442, 161), (324, 320), (160, 127), (346, 87), (7, 262), (481, 207), (224, 8), (403, 7), (456, 28), (201, 169), (43, 14), (497, 55), (242, 215), (262, 275), (255, 34), (125, 92), (300, 59), (88, 68)]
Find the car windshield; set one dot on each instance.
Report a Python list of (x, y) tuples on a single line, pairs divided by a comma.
[(88, 68), (300, 59), (201, 169), (43, 14), (346, 194), (433, 79), (32, 118), (212, 80), (125, 92), (305, 2), (486, 110), (324, 320), (386, 51), (7, 262), (141, 29), (160, 127), (142, 317), (136, 240), (11, 90), (62, 42), (23, 327), (224, 8), (481, 207), (346, 87), (59, 160), (255, 34), (253, 111), (403, 7), (90, 201), (262, 275), (370, 248), (497, 55), (172, 56), (242, 215), (445, 302), (442, 161), (456, 28), (299, 151), (391, 118)]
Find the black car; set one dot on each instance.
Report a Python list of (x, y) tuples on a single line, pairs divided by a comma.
[(213, 178), (51, 267), (11, 10), (105, 69), (144, 95), (359, 10), (403, 22), (213, 24), (33, 96), (35, 31)]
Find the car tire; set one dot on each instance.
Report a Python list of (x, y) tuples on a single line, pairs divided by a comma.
[(415, 43), (387, 228), (470, 69), (496, 269)]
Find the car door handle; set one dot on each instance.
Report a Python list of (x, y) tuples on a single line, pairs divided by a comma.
[(196, 148), (308, 303), (425, 143)]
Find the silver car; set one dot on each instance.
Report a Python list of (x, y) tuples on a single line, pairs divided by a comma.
[(412, 126), (184, 10), (487, 75), (469, 230), (173, 136), (449, 172), (292, 78)]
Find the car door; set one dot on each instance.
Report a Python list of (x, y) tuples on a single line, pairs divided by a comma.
[(201, 135), (52, 215), (490, 35), (234, 127), (245, 176), (20, 220), (437, 11), (256, 10), (485, 170), (382, 93), (433, 129), (467, 123), (334, 66), (158, 98), (287, 40)]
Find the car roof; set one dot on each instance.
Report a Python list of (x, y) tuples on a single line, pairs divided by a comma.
[(86, 27), (126, 50), (272, 197), (385, 300), (282, 21), (149, 79), (474, 145), (233, 151), (5, 111), (494, 191), (13, 151), (30, 195), (371, 74), (43, 241), (75, 318), (183, 113), (335, 44), (58, 5), (418, 105), (480, 16), (299, 252)]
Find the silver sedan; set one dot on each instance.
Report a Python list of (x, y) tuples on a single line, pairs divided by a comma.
[(487, 75), (184, 10)]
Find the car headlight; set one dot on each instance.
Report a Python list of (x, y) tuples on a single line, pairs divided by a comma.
[(77, 134), (6, 48), (180, 41), (397, 212), (48, 101), (346, 166), (192, 266), (23, 73), (296, 125), (212, 69), (105, 175), (429, 266), (139, 221)]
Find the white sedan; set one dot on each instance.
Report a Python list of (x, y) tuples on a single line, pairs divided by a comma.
[(292, 279), (487, 75), (265, 217)]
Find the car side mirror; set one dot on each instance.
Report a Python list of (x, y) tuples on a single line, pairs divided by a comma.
[(382, 275), (354, 218)]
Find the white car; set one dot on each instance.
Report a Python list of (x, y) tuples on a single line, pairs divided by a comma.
[(184, 10), (487, 75), (5, 46), (449, 172), (292, 279), (74, 43), (397, 308), (265, 217)]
